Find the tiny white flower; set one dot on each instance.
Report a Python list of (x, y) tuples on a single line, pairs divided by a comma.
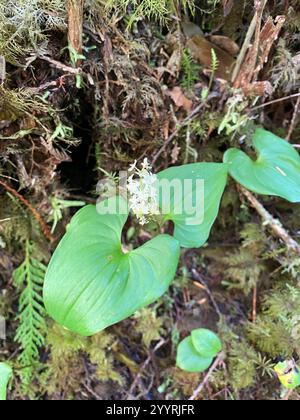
[(132, 167), (146, 165), (143, 189)]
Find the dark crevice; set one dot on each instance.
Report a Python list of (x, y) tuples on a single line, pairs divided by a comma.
[(79, 175)]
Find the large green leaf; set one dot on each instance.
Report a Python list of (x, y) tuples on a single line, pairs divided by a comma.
[(91, 283), (275, 172), (191, 205), (5, 375), (189, 359)]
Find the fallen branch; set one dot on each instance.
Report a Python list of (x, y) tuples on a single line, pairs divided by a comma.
[(218, 360), (255, 54), (247, 68), (236, 76), (44, 228), (274, 224)]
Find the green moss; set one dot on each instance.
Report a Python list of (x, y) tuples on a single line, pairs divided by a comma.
[(159, 10), (101, 354), (149, 325), (277, 330), (70, 354)]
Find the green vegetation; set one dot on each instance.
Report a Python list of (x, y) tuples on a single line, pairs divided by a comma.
[(197, 351), (123, 305)]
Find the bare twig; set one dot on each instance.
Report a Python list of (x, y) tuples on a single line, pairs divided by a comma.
[(294, 120), (218, 360), (274, 224), (198, 278), (276, 101), (144, 365), (55, 84), (87, 383), (188, 119), (60, 66)]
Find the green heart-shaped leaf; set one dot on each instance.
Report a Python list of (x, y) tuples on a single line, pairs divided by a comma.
[(190, 196), (189, 359), (91, 283), (5, 375), (275, 172), (206, 342)]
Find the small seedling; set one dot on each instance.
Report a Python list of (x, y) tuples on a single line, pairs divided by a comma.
[(197, 351)]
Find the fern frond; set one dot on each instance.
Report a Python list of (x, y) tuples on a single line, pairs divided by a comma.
[(190, 70), (29, 278), (214, 61), (213, 68)]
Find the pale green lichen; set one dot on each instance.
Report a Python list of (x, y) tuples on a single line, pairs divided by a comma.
[(24, 25)]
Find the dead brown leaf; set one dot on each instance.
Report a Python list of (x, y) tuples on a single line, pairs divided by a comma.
[(180, 99), (201, 49), (174, 63), (227, 44)]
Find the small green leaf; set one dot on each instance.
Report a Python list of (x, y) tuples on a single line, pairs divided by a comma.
[(91, 283), (275, 172), (190, 196), (206, 342), (5, 375), (189, 359)]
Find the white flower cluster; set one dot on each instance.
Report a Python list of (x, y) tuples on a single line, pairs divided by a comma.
[(143, 191)]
